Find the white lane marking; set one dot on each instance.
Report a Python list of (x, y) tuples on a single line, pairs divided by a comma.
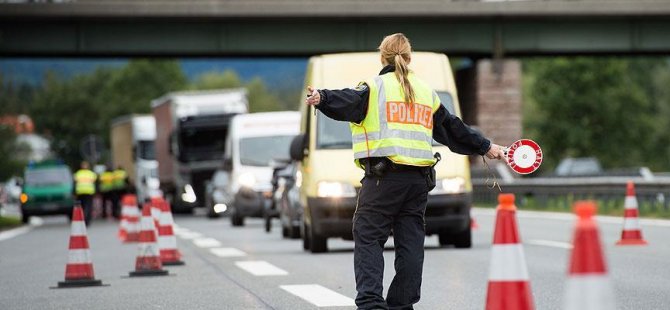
[(9, 234), (571, 217), (207, 242), (261, 268), (549, 243), (319, 295), (227, 252), (190, 235)]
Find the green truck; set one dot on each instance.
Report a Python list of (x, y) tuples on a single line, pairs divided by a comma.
[(47, 190)]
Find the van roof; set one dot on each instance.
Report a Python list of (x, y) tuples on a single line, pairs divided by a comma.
[(349, 69)]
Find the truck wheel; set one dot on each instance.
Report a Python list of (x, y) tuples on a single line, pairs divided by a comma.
[(318, 244), (236, 220), (305, 237)]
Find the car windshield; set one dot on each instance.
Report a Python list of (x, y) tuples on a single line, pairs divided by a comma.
[(146, 150), (258, 151), (332, 134), (48, 176)]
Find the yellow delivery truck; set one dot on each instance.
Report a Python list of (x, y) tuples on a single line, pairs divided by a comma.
[(328, 178)]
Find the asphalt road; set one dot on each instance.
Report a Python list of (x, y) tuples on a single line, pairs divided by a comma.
[(245, 268)]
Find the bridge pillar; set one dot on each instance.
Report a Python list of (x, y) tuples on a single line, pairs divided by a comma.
[(499, 99)]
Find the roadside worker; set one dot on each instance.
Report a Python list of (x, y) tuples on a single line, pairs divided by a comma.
[(120, 188), (84, 189), (107, 189), (396, 153)]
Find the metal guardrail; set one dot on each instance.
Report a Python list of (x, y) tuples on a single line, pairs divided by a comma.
[(654, 192)]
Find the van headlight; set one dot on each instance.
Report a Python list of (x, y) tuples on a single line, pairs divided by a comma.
[(189, 194), (247, 180), (335, 189), (449, 186)]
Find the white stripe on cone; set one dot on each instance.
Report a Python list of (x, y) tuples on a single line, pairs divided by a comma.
[(79, 256), (592, 292), (148, 249), (167, 242), (630, 202), (631, 223), (508, 263), (147, 223), (78, 228)]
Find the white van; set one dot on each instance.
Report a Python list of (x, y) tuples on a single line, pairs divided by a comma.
[(253, 141)]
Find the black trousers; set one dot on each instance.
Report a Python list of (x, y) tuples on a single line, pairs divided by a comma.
[(395, 202), (87, 206)]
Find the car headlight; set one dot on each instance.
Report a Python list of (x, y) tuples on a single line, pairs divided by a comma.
[(153, 183), (189, 194), (246, 180), (335, 189), (449, 186)]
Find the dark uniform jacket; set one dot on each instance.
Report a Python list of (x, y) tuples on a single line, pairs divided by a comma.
[(351, 105)]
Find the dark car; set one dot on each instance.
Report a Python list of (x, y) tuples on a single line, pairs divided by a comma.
[(215, 194), (286, 205)]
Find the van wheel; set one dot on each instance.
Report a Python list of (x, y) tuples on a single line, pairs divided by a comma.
[(317, 244), (284, 232), (236, 220), (294, 232), (461, 240)]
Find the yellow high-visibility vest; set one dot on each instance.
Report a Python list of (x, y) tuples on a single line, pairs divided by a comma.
[(107, 181), (401, 131), (120, 176), (84, 182)]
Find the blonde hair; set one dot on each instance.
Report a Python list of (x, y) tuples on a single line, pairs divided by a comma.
[(396, 50)]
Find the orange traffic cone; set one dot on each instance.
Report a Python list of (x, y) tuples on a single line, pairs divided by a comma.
[(167, 242), (509, 284), (148, 261), (631, 233), (79, 268), (588, 285), (128, 227)]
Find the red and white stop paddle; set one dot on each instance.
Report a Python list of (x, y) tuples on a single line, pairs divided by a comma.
[(524, 156)]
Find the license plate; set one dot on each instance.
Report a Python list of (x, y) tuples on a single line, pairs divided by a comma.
[(50, 206)]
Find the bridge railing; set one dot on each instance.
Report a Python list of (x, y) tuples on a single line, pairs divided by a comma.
[(653, 193)]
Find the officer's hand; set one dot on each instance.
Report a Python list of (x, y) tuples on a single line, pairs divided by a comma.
[(496, 152), (313, 96)]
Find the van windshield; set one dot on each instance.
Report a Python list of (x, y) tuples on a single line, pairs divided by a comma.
[(48, 176), (332, 134), (258, 151)]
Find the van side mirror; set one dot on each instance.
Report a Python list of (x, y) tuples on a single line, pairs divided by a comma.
[(298, 146)]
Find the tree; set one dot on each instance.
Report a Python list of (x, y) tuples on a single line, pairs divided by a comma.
[(260, 99), (602, 107), (9, 164)]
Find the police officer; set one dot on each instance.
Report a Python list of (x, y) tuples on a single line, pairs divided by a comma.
[(398, 162), (120, 186), (107, 189), (84, 189)]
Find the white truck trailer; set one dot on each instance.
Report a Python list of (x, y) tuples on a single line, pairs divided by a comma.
[(191, 132), (133, 148)]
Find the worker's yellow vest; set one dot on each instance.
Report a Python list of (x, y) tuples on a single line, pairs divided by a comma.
[(392, 128), (84, 182), (107, 181), (120, 176)]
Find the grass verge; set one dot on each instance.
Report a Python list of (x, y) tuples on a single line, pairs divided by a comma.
[(613, 207), (7, 222)]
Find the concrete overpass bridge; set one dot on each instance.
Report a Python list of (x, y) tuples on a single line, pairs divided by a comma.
[(489, 91), (479, 28)]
